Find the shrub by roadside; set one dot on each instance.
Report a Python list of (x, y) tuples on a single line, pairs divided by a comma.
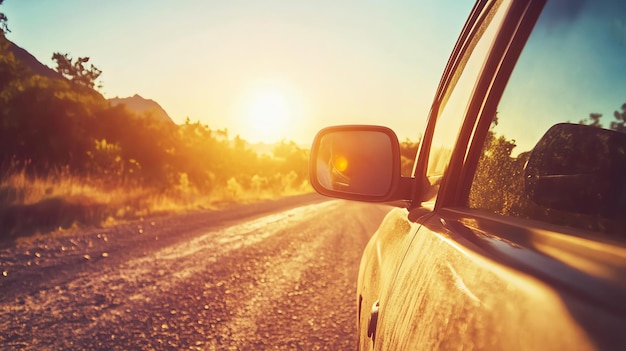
[(31, 205)]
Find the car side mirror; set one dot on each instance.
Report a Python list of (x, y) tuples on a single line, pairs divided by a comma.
[(578, 168), (356, 163)]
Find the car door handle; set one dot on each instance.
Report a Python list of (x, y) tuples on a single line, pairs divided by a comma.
[(373, 321)]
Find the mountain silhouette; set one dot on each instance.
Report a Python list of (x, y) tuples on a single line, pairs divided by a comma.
[(32, 63), (136, 103), (142, 106)]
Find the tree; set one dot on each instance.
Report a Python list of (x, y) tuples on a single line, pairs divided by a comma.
[(3, 22), (595, 120), (620, 124), (76, 71)]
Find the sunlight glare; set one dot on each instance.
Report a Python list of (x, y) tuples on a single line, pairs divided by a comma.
[(269, 116), (341, 163)]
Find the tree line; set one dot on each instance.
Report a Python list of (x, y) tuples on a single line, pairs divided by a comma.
[(50, 124)]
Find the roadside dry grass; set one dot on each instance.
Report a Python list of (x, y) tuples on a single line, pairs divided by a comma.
[(38, 205)]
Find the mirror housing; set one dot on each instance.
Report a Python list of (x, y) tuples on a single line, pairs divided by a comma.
[(580, 169), (357, 162)]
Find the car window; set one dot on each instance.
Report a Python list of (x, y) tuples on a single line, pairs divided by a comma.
[(555, 149), (455, 101)]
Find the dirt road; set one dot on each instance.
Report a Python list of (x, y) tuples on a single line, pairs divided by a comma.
[(279, 275)]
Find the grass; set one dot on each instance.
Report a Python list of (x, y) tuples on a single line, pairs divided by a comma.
[(38, 205)]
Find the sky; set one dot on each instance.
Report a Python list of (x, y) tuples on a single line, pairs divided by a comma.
[(265, 70)]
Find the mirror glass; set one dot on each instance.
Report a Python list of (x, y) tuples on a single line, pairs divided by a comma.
[(355, 162)]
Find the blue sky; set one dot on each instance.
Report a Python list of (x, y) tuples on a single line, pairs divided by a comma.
[(265, 70)]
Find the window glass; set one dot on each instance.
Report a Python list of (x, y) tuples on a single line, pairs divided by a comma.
[(555, 150), (455, 103)]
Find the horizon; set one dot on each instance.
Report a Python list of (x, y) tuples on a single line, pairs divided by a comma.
[(266, 72)]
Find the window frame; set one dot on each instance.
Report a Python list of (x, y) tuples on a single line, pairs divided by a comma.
[(519, 12), (507, 47), (510, 48), (461, 178), (445, 87)]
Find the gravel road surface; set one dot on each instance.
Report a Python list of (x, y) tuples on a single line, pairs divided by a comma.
[(276, 275)]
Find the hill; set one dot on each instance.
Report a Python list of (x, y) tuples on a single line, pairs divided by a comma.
[(142, 106), (136, 103), (32, 63)]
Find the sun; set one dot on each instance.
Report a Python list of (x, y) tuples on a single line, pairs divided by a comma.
[(269, 116)]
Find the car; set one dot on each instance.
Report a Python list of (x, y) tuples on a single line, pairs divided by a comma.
[(510, 234)]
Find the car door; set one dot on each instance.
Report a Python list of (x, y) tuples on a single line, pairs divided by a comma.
[(493, 267)]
